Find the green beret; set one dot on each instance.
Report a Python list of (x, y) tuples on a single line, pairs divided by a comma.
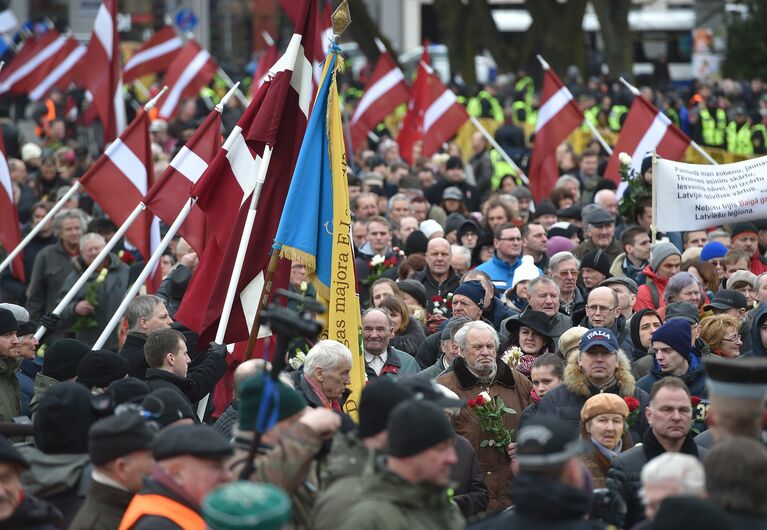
[(251, 392), (246, 505)]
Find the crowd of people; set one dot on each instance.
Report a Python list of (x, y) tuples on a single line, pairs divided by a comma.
[(529, 364)]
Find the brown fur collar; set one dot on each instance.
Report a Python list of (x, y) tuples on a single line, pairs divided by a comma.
[(467, 380), (577, 383)]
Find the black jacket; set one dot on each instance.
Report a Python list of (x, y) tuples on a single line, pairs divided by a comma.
[(625, 474), (133, 352), (199, 381), (410, 339), (436, 289), (428, 352), (542, 505), (33, 514), (470, 494)]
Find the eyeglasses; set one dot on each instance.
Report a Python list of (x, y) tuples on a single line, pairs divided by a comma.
[(734, 339), (568, 273), (598, 308)]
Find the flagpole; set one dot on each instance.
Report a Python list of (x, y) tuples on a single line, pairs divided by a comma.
[(693, 143), (590, 125), (253, 337), (76, 186), (94, 265), (506, 157), (146, 271)]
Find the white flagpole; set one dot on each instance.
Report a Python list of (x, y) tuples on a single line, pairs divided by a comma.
[(506, 157), (39, 226), (693, 143), (147, 270), (94, 265), (590, 125)]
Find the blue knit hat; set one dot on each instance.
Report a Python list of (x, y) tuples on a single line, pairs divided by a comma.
[(711, 250), (473, 290), (677, 334)]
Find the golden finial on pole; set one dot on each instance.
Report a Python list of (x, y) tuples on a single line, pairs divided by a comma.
[(341, 18)]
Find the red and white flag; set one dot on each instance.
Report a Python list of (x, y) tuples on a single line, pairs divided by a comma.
[(192, 69), (276, 117), (558, 116), (10, 235), (171, 191), (434, 114), (118, 181), (384, 92), (154, 56), (57, 72), (646, 130), (35, 52), (267, 60), (101, 73)]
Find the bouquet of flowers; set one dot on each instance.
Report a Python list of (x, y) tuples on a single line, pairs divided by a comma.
[(490, 411), (378, 265), (625, 170), (633, 405), (442, 305), (92, 291), (512, 356)]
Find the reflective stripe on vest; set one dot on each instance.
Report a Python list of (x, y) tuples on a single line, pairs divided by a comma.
[(161, 506)]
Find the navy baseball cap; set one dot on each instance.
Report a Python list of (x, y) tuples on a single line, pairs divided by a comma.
[(599, 337)]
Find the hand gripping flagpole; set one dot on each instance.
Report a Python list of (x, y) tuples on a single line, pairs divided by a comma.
[(590, 125), (634, 90), (149, 267), (140, 207)]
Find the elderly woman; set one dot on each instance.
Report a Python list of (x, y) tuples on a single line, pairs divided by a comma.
[(408, 333), (381, 288), (684, 287), (325, 376), (722, 334), (532, 334), (603, 421)]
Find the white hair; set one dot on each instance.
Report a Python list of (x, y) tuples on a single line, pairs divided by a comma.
[(560, 257), (460, 335), (460, 249), (91, 236), (684, 470), (601, 194), (328, 355)]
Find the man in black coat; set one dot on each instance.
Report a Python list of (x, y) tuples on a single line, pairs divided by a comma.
[(168, 360), (145, 314), (669, 414)]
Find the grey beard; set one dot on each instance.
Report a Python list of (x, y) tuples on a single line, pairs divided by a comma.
[(484, 379)]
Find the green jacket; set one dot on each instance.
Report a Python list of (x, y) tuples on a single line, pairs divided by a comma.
[(42, 384), (10, 405), (387, 502), (348, 456)]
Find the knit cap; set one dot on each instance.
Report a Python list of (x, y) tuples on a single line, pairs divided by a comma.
[(677, 334), (712, 250), (661, 251), (525, 271)]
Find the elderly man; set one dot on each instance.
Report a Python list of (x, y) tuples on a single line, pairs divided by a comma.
[(19, 509), (438, 277), (109, 281), (447, 348), (168, 360), (603, 310), (671, 475), (543, 296), (53, 264), (381, 359), (145, 314), (325, 377), (508, 246), (599, 227), (477, 370), (669, 414), (10, 360), (599, 366), (190, 464), (626, 290), (411, 491), (119, 447), (564, 269)]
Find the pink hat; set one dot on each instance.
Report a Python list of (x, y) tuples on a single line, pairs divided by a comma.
[(558, 244)]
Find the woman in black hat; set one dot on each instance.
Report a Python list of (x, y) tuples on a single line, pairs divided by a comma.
[(529, 337)]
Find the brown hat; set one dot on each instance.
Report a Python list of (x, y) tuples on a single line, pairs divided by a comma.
[(570, 340), (604, 403)]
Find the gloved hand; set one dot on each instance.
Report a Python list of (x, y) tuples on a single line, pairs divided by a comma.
[(51, 321), (217, 349)]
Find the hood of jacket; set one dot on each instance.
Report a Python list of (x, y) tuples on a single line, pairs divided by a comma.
[(578, 384), (660, 282), (636, 320), (52, 474), (757, 348)]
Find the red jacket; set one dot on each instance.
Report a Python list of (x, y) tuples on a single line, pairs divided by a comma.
[(644, 296)]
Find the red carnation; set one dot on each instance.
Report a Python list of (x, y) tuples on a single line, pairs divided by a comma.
[(479, 400), (632, 402), (436, 298), (695, 400)]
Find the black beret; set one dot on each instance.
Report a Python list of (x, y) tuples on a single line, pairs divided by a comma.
[(198, 440), (118, 436)]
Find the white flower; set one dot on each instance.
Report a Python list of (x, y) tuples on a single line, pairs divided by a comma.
[(304, 286), (486, 397), (377, 260), (624, 159), (102, 275)]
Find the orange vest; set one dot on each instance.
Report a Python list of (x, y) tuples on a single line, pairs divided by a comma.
[(161, 506)]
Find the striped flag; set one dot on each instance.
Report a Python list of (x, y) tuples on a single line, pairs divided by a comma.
[(192, 69), (154, 56), (558, 116), (171, 191), (9, 219), (57, 72), (384, 92), (434, 114), (118, 181), (35, 52), (101, 73), (646, 130)]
